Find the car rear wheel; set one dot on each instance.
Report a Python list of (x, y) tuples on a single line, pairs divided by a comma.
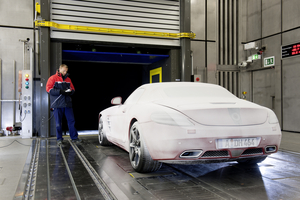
[(252, 161), (139, 156), (102, 136)]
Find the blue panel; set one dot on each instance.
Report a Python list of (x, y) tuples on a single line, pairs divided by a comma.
[(111, 57)]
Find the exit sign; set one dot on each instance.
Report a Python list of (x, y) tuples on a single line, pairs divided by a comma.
[(269, 61)]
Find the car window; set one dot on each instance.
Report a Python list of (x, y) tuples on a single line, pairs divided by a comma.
[(195, 92), (134, 97)]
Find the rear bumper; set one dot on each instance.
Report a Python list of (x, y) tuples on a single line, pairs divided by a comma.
[(203, 161), (169, 142)]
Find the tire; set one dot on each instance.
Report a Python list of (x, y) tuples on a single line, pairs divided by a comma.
[(101, 135), (139, 156), (252, 161)]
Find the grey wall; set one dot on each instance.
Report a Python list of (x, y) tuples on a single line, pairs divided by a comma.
[(273, 23), (290, 67), (203, 47), (223, 26), (16, 22)]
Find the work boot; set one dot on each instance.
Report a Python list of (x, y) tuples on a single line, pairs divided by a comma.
[(59, 142), (77, 141)]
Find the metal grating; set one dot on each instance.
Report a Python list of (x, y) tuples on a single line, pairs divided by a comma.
[(142, 15), (229, 80), (215, 154), (253, 151), (228, 34)]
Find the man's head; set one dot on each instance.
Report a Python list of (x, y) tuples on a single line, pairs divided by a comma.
[(63, 69)]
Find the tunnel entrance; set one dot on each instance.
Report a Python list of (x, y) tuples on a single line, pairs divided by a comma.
[(96, 84), (100, 73)]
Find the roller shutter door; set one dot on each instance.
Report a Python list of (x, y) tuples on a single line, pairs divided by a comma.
[(142, 15)]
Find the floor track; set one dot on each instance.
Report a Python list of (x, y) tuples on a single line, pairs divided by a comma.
[(105, 173)]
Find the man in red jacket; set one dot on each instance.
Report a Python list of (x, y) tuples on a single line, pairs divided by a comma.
[(61, 88)]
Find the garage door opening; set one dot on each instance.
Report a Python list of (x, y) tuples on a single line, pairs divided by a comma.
[(96, 84), (102, 72)]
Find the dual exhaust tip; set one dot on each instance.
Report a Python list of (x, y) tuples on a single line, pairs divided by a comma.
[(197, 153), (191, 154), (270, 149)]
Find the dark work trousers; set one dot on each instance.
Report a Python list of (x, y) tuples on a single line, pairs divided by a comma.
[(68, 112)]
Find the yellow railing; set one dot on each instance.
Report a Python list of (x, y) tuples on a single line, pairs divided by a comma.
[(113, 30)]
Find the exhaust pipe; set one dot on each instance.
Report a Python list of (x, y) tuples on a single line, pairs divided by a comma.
[(191, 154), (270, 149)]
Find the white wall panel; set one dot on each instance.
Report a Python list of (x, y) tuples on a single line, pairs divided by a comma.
[(290, 14), (11, 52), (271, 15), (198, 18), (291, 85), (17, 13), (153, 15)]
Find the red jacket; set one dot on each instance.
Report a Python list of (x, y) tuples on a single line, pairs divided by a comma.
[(55, 85)]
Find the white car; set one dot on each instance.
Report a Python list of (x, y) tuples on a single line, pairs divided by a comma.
[(188, 123)]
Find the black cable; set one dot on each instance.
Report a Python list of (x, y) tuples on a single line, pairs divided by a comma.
[(13, 142), (46, 121), (23, 118), (37, 132)]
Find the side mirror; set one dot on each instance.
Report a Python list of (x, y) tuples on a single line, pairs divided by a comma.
[(116, 101)]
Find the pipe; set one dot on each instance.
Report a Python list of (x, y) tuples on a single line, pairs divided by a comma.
[(9, 101), (31, 58), (14, 91), (0, 95)]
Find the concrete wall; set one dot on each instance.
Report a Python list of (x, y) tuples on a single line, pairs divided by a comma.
[(218, 46), (16, 23), (270, 23), (273, 23), (203, 47)]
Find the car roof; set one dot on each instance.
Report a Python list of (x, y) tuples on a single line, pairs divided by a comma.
[(172, 84), (154, 91)]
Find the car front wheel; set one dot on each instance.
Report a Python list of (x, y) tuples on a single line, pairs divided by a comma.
[(101, 135), (139, 156)]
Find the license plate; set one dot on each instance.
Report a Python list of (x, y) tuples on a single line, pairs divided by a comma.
[(237, 142)]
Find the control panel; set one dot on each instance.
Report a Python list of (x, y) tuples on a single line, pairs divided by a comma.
[(27, 89)]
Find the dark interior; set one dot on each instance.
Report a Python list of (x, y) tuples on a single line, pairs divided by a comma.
[(96, 84), (97, 81)]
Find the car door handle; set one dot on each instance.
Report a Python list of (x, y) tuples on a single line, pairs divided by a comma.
[(124, 110)]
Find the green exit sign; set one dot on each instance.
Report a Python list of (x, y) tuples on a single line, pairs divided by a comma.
[(269, 61), (256, 57)]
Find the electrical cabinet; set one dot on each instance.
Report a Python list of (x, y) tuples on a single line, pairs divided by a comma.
[(27, 89)]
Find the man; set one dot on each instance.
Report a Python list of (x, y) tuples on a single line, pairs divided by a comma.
[(60, 88)]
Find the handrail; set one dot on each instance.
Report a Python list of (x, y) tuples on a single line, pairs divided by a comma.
[(42, 23)]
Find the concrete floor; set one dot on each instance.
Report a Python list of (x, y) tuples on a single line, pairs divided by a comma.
[(290, 141), (14, 151), (13, 154)]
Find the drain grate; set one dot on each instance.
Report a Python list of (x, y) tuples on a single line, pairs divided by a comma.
[(177, 188), (196, 192)]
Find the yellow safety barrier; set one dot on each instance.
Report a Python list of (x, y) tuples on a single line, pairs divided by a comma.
[(157, 71), (38, 8), (113, 31)]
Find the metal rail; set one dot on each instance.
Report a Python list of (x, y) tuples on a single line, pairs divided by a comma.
[(103, 188), (1, 96), (70, 174), (113, 30), (30, 186)]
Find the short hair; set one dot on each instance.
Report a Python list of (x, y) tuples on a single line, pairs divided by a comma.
[(63, 65)]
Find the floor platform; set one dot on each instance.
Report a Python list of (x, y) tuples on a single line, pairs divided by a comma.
[(91, 171)]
